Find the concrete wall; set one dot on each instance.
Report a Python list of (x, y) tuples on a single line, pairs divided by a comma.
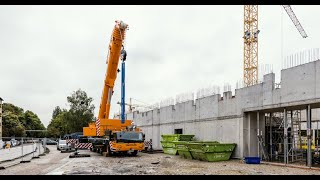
[(209, 118), (301, 82), (233, 119)]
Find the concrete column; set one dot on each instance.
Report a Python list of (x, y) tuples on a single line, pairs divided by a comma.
[(270, 115), (285, 143), (249, 134), (258, 133), (291, 133), (309, 135), (245, 136), (314, 137)]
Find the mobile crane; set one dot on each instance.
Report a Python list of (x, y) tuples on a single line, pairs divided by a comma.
[(110, 136)]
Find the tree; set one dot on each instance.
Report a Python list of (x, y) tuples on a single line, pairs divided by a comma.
[(11, 125), (56, 112), (33, 123), (57, 126), (72, 120), (15, 121), (80, 102), (81, 111), (12, 108)]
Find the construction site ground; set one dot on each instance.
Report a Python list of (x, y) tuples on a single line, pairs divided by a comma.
[(57, 163)]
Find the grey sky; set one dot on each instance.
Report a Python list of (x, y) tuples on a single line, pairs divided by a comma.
[(47, 52)]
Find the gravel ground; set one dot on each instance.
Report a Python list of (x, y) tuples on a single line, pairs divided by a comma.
[(56, 163)]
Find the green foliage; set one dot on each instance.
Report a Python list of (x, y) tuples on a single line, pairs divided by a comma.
[(72, 120), (15, 121), (57, 110), (57, 127)]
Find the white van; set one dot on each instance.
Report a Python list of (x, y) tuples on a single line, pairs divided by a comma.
[(62, 145)]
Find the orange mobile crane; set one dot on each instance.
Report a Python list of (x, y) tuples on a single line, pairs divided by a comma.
[(109, 136)]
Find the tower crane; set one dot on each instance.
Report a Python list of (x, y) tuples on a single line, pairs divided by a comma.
[(133, 106), (251, 31)]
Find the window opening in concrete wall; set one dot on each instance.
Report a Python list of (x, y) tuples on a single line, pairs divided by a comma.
[(177, 131)]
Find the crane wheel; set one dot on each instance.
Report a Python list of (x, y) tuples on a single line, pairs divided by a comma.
[(134, 153), (108, 151)]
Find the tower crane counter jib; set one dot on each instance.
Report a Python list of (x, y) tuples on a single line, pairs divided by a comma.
[(110, 136)]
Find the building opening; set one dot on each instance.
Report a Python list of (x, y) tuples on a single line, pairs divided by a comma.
[(177, 131)]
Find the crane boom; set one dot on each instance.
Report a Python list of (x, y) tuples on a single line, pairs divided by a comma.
[(115, 47), (295, 20)]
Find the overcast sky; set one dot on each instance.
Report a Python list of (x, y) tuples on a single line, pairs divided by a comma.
[(47, 52)]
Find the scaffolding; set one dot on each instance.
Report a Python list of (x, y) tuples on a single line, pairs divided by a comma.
[(290, 137), (283, 137)]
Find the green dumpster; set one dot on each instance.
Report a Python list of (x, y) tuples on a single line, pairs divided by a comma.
[(168, 144), (177, 137), (211, 151), (168, 150), (199, 144), (210, 156), (185, 137), (170, 137), (182, 149), (218, 147), (169, 147)]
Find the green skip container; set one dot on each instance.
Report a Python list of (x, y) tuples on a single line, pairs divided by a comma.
[(183, 149), (211, 151), (171, 151), (169, 147), (169, 142), (177, 137)]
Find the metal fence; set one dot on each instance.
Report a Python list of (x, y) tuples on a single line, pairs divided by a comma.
[(21, 149)]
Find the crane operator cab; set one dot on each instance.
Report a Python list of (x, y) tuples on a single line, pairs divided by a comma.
[(123, 142), (129, 136)]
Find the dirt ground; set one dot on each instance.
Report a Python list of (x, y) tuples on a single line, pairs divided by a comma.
[(56, 163)]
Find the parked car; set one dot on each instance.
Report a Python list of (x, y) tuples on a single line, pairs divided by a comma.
[(62, 145), (50, 142), (14, 142)]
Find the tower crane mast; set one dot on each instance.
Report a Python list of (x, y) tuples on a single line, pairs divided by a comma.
[(251, 31)]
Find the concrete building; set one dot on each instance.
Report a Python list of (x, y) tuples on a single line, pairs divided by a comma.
[(1, 118), (239, 118)]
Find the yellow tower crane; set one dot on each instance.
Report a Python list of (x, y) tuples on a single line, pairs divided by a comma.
[(251, 31)]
